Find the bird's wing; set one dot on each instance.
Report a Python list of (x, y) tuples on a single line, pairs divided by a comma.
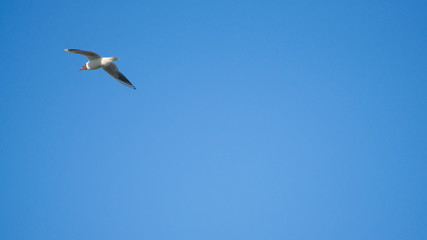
[(90, 55), (114, 72)]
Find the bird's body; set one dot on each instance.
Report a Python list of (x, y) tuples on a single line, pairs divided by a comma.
[(107, 63), (100, 63)]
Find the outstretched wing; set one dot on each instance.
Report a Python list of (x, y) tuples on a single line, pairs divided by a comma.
[(114, 72), (88, 54)]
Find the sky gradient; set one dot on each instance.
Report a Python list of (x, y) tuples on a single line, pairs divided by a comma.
[(251, 120)]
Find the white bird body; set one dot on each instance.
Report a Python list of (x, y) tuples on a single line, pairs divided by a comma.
[(97, 62)]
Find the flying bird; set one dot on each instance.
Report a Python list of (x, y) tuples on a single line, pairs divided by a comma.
[(106, 63)]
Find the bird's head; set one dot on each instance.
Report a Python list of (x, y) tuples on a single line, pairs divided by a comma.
[(83, 68), (115, 59)]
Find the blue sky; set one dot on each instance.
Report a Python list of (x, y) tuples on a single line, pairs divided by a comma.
[(251, 120)]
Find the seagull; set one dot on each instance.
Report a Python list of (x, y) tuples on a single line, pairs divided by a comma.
[(96, 62)]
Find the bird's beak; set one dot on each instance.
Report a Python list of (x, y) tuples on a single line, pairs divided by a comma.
[(81, 68)]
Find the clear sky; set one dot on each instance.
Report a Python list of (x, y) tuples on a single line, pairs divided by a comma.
[(251, 120)]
